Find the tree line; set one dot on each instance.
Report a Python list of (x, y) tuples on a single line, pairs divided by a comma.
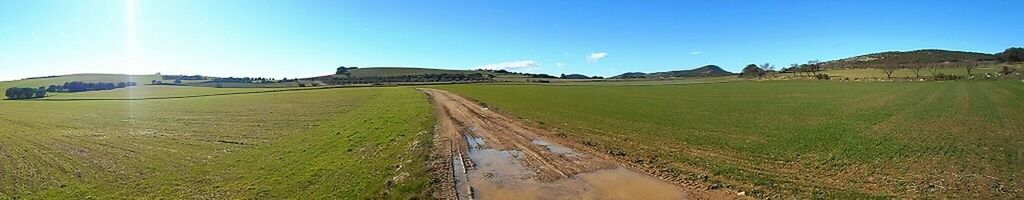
[(184, 77), (74, 86), (25, 93), (250, 80), (342, 80), (502, 71), (78, 86)]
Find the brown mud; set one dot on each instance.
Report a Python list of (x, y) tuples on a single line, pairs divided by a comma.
[(492, 156)]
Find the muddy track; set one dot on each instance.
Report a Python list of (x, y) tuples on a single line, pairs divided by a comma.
[(482, 154)]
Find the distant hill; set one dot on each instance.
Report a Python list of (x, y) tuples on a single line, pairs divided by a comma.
[(705, 71), (576, 76), (380, 75), (402, 71), (925, 56), (60, 80)]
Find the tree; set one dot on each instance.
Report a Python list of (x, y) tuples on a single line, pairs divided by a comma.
[(752, 71), (25, 93), (795, 68), (767, 68), (342, 70), (813, 66), (917, 69), (970, 68), (889, 69), (932, 68), (53, 88), (40, 92)]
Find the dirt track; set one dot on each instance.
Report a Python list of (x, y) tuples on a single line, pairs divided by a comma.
[(482, 154)]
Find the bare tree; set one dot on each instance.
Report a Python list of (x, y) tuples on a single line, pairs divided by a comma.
[(795, 68), (970, 67), (917, 69), (889, 69), (813, 66), (932, 68), (767, 68)]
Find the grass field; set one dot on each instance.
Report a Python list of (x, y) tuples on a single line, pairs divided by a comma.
[(797, 138), (334, 143)]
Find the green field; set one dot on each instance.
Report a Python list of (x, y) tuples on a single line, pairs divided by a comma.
[(332, 143), (797, 138)]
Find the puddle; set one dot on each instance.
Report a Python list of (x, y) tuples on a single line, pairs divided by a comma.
[(500, 174), (475, 143), (460, 173), (555, 148)]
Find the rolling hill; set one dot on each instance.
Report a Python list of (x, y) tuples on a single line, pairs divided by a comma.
[(401, 71), (55, 80), (924, 56), (705, 71)]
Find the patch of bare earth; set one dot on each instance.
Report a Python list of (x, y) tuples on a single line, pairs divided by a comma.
[(482, 154)]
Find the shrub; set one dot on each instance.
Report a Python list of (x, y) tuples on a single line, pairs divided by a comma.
[(1006, 70), (822, 77), (946, 77)]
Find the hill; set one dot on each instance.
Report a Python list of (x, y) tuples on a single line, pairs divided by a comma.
[(55, 80), (924, 56), (402, 71), (705, 71), (380, 75)]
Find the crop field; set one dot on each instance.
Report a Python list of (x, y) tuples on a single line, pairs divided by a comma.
[(332, 143), (958, 139)]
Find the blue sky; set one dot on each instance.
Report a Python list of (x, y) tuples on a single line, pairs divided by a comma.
[(308, 38)]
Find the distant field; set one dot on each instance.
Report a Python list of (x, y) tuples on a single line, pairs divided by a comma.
[(153, 91), (907, 73), (244, 85), (621, 82), (109, 78), (958, 139), (358, 143)]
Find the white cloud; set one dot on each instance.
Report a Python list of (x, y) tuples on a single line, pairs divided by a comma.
[(696, 52), (594, 57), (560, 65), (514, 65)]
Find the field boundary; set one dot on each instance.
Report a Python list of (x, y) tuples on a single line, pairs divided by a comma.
[(229, 93)]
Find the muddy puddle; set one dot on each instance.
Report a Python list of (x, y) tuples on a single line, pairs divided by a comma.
[(498, 157), (500, 174), (560, 150)]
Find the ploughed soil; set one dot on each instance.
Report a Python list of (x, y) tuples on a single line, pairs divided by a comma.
[(482, 154)]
